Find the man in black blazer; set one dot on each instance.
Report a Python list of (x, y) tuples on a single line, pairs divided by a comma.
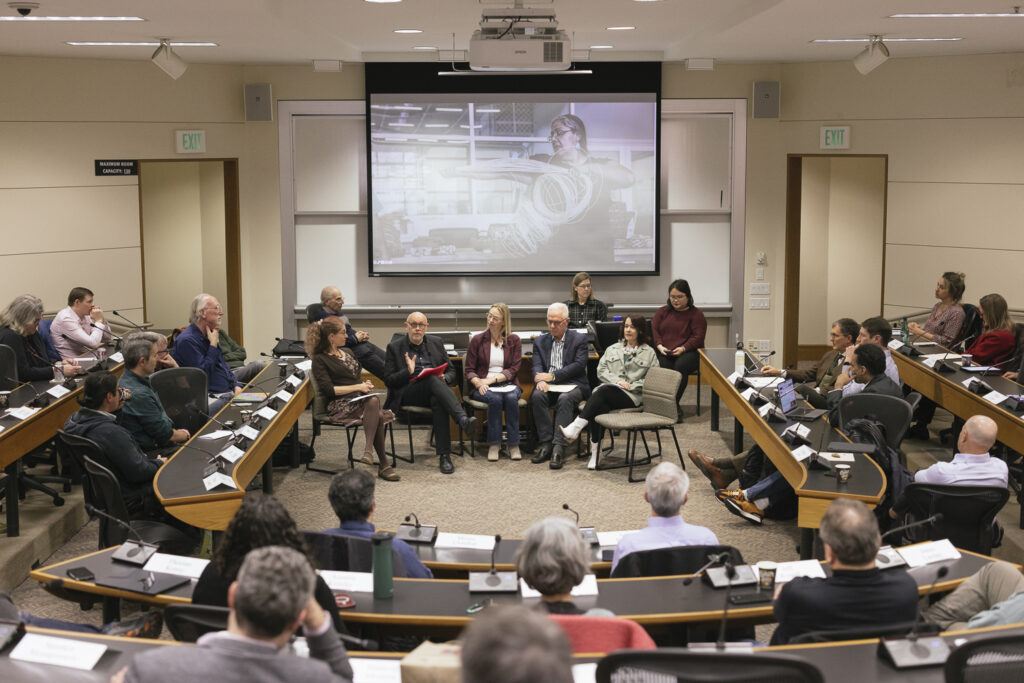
[(409, 356), (559, 357)]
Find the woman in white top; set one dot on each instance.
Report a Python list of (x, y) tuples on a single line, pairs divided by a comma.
[(492, 368)]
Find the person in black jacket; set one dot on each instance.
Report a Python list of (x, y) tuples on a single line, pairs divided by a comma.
[(19, 329), (407, 358)]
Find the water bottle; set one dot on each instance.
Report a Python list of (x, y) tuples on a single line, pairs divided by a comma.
[(741, 357), (383, 576)]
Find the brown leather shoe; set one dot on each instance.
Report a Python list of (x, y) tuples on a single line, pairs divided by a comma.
[(707, 467)]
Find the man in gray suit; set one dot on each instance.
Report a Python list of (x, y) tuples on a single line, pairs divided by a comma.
[(272, 597)]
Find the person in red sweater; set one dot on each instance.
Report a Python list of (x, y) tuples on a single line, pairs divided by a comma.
[(996, 343), (678, 329)]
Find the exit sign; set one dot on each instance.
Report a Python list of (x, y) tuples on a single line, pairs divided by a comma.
[(835, 137), (190, 141)]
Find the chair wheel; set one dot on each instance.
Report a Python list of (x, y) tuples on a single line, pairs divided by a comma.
[(58, 501), (67, 488)]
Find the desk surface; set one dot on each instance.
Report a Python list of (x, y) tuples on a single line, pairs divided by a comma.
[(467, 560)]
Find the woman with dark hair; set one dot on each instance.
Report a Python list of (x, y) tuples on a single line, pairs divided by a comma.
[(19, 329), (260, 521), (338, 376), (947, 317), (996, 343), (679, 328), (583, 307), (622, 371)]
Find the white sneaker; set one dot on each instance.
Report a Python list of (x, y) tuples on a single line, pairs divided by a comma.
[(513, 452), (595, 448), (493, 451), (571, 432)]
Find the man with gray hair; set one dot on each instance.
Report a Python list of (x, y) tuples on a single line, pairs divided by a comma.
[(665, 490), (559, 362), (197, 347), (271, 598), (515, 644), (369, 355), (144, 416), (858, 595)]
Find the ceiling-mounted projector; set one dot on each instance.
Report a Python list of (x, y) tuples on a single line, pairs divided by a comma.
[(519, 39)]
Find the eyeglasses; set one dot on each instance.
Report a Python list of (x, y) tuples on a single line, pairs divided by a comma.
[(585, 285), (494, 318), (558, 133), (215, 309), (557, 322), (416, 325), (677, 297)]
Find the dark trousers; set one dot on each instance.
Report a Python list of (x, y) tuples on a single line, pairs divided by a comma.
[(605, 399), (565, 405), (433, 393), (685, 364), (371, 357)]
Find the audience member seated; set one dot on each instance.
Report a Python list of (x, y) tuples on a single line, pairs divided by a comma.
[(100, 399), (338, 374), (553, 559), (492, 367), (622, 371), (873, 331), (261, 521), (858, 595), (72, 331), (665, 490), (514, 644), (583, 307), (997, 342), (992, 597), (559, 358), (370, 356), (271, 598), (947, 317), (197, 347), (815, 382), (679, 328), (144, 416), (144, 625), (407, 358), (351, 498), (868, 370), (19, 329)]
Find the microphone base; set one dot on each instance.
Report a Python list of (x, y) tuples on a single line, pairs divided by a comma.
[(906, 653), (410, 533), (144, 551), (716, 578), (497, 582), (711, 648), (589, 535)]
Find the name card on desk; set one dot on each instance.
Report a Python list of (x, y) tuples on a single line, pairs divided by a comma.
[(731, 379), (294, 381), (283, 395), (761, 382), (803, 453), (588, 586), (994, 397), (218, 478), (925, 553), (117, 357), (470, 541), (232, 453), (179, 565), (219, 434), (372, 670), (22, 412), (357, 582), (267, 413), (803, 431), (747, 394), (895, 344), (584, 673), (58, 391), (73, 654), (765, 409), (787, 571), (932, 358), (612, 538), (248, 432), (305, 365)]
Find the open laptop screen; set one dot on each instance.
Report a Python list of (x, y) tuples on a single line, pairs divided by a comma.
[(787, 396)]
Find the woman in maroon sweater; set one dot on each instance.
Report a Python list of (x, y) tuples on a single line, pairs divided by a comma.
[(997, 342), (678, 329), (492, 368)]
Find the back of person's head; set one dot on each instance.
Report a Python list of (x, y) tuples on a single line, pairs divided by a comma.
[(260, 521), (666, 486), (97, 386), (78, 294), (848, 327), (274, 585), (552, 557), (996, 313), (136, 350), (21, 313), (979, 434), (871, 358), (955, 284), (515, 644), (851, 530), (351, 495), (878, 327), (318, 334)]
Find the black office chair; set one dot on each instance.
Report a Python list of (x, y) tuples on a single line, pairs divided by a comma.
[(604, 334), (313, 312), (990, 658), (967, 513), (891, 411), (972, 326), (671, 561), (864, 632), (347, 553), (321, 419), (686, 666), (188, 622), (184, 395)]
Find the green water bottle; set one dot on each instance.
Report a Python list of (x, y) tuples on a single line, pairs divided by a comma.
[(383, 576)]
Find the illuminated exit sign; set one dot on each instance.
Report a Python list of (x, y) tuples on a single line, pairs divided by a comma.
[(835, 137), (190, 141)]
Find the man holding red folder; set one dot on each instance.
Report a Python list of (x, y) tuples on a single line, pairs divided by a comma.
[(417, 373)]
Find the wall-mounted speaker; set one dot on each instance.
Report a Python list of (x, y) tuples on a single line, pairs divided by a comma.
[(766, 100), (259, 105)]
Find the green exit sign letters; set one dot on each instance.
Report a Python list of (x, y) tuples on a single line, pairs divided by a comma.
[(835, 137), (190, 141)]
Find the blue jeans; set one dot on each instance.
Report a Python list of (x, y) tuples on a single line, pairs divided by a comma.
[(773, 487), (496, 403)]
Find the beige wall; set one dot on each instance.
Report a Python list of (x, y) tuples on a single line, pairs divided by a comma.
[(816, 180), (952, 127)]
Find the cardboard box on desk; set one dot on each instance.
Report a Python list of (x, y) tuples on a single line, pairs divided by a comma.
[(433, 663)]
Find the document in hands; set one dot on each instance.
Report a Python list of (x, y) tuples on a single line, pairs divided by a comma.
[(428, 372)]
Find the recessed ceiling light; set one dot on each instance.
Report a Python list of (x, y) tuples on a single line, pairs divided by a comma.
[(408, 30), (887, 40), (153, 43), (621, 28), (382, 2), (425, 47), (601, 47), (959, 15), (19, 18)]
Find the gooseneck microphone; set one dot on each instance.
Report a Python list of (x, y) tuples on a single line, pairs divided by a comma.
[(565, 506), (138, 327), (416, 520), (913, 651), (712, 561), (730, 574), (416, 532), (937, 517), (494, 553), (40, 400), (95, 350), (106, 331), (133, 551)]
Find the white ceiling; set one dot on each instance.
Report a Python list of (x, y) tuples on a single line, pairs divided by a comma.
[(297, 31)]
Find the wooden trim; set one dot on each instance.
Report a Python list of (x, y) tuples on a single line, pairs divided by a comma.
[(885, 224), (791, 279), (142, 245), (233, 250), (812, 352)]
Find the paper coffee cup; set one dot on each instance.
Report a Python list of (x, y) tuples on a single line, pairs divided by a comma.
[(766, 575), (842, 473)]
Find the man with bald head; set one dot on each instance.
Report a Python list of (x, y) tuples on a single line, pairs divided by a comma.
[(406, 358), (370, 356)]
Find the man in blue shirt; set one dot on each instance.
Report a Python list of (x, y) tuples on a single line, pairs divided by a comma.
[(351, 496), (197, 347)]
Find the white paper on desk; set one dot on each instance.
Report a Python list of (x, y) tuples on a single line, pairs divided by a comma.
[(232, 453), (932, 358), (305, 365), (73, 654), (612, 538), (748, 393), (994, 397), (561, 388), (293, 380), (803, 453), (799, 429), (372, 670), (761, 382), (219, 434), (117, 357), (178, 565), (765, 409), (58, 390), (588, 586), (218, 478), (506, 389), (283, 395), (22, 412), (787, 571), (925, 553), (980, 368), (248, 432), (267, 412), (925, 343), (895, 344), (836, 458), (357, 582), (584, 673), (2, 428), (447, 539)]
